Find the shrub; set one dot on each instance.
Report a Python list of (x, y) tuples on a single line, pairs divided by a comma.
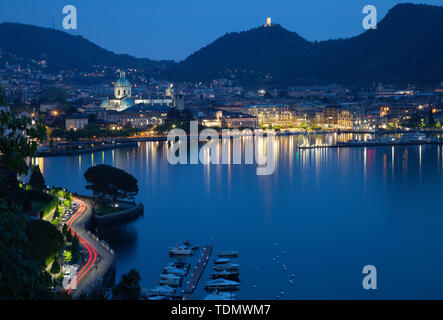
[(44, 240)]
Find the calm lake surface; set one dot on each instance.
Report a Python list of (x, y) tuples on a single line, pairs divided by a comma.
[(324, 214)]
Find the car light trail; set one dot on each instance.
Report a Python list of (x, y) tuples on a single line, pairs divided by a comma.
[(92, 253)]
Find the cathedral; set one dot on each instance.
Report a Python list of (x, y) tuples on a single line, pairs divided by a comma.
[(122, 95)]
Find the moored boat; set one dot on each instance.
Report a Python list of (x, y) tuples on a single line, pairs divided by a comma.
[(221, 284), (228, 254), (226, 274), (169, 276), (222, 261), (229, 267), (162, 290), (220, 296), (159, 298), (175, 271), (180, 251)]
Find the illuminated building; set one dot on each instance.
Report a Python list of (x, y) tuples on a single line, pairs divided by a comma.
[(122, 95), (270, 115), (123, 99), (345, 120), (76, 122), (384, 111)]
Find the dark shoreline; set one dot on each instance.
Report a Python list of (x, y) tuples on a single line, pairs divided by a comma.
[(85, 150), (134, 142)]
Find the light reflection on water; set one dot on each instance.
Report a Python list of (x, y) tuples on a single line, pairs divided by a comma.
[(331, 211)]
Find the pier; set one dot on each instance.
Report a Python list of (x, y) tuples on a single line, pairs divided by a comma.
[(369, 144), (197, 273)]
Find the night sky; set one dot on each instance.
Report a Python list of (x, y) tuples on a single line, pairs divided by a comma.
[(173, 29)]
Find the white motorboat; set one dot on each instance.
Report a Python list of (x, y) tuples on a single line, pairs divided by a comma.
[(159, 298), (180, 251), (169, 276), (162, 290), (226, 274), (215, 297), (175, 271), (220, 296), (228, 254), (222, 261), (228, 267), (221, 284), (179, 265)]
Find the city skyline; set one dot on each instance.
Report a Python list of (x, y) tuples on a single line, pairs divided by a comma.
[(108, 25)]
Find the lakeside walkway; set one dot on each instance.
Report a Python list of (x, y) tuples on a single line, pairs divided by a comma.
[(196, 275), (99, 260)]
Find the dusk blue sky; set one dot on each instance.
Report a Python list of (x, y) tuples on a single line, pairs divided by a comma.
[(173, 29)]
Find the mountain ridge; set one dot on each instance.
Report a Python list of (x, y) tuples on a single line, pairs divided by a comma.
[(406, 47), (64, 50)]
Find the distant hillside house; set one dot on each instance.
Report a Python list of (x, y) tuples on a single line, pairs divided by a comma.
[(48, 106), (76, 122)]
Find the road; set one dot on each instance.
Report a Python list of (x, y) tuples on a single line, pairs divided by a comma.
[(99, 259)]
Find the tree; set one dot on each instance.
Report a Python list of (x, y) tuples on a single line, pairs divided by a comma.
[(44, 240), (129, 287), (36, 181), (21, 277), (107, 181), (69, 237), (75, 249), (65, 229), (55, 268), (21, 273), (18, 140)]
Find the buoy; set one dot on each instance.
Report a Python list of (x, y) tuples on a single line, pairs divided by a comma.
[(292, 275), (254, 286), (276, 297)]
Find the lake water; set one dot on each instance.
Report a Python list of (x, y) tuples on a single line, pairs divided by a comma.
[(324, 214)]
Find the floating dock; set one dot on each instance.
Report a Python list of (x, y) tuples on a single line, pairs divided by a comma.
[(197, 273)]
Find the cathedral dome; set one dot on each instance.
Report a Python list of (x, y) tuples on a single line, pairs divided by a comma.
[(122, 81)]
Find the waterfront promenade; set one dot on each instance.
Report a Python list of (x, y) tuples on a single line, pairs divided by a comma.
[(99, 260)]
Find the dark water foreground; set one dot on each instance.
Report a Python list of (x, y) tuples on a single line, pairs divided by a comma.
[(323, 214)]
